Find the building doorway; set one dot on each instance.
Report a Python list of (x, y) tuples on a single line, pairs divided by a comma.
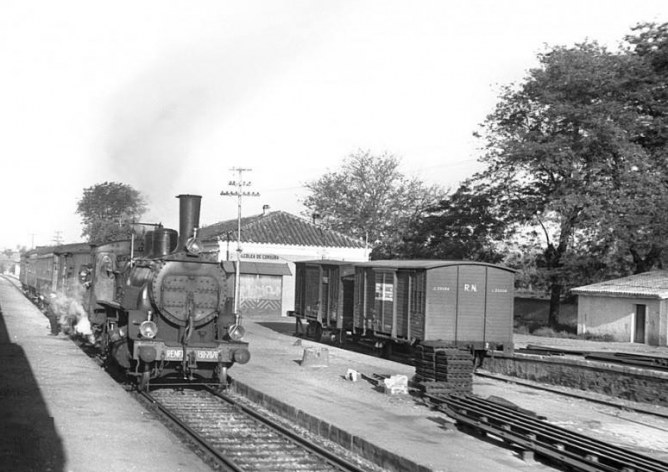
[(639, 332)]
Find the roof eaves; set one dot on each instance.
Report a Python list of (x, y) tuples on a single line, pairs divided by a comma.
[(620, 292)]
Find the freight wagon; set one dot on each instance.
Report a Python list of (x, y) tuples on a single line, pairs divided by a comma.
[(463, 304), (324, 298)]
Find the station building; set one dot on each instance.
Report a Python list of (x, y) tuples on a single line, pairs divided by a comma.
[(271, 243), (631, 309)]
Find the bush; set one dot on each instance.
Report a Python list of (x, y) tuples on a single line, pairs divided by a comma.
[(551, 333), (604, 338)]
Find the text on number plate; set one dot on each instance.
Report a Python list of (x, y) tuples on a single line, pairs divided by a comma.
[(177, 354)]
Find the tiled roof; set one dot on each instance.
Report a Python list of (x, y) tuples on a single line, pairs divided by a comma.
[(278, 227), (652, 284)]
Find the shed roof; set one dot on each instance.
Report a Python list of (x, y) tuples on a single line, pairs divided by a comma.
[(425, 264), (278, 227), (652, 284), (333, 262)]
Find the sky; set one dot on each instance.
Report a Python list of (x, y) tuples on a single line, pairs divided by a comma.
[(168, 96)]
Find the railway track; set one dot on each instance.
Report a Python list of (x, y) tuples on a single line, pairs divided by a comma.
[(240, 439), (530, 434), (625, 358)]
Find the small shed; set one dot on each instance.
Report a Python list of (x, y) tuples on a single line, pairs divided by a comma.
[(631, 309)]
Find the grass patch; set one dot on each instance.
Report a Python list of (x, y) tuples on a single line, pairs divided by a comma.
[(554, 333), (604, 338)]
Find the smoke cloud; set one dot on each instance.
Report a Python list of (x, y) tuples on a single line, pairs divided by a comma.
[(67, 305), (156, 120)]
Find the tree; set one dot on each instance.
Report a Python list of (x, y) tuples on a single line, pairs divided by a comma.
[(106, 210), (462, 226), (564, 154), (647, 226), (369, 198)]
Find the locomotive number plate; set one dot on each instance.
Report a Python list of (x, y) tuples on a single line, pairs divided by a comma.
[(202, 354)]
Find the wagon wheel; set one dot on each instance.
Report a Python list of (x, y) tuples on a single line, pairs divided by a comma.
[(386, 350), (317, 331)]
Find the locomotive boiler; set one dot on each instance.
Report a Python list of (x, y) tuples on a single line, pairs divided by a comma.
[(168, 314)]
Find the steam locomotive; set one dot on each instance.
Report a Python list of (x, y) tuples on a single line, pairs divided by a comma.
[(165, 313)]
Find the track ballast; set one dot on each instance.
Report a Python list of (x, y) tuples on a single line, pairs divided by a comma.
[(241, 439)]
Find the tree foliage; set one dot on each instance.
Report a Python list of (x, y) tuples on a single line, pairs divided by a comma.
[(576, 154), (462, 226), (107, 210), (371, 199)]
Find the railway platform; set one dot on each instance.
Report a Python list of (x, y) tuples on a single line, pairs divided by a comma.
[(400, 431), (60, 412)]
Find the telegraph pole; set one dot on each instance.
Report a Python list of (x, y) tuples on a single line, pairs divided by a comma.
[(239, 193), (57, 238)]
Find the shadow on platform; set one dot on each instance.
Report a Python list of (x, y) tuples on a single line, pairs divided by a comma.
[(28, 438), (282, 327)]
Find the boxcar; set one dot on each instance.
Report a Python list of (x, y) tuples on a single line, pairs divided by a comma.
[(464, 304), (324, 298)]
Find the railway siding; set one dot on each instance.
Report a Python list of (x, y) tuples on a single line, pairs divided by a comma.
[(619, 381)]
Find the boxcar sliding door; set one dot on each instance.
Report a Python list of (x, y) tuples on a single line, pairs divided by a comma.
[(471, 303)]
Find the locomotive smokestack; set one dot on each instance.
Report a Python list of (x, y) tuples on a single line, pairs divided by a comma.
[(189, 206)]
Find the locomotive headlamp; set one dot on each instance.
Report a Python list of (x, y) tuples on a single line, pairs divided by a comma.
[(193, 246), (236, 332), (148, 329)]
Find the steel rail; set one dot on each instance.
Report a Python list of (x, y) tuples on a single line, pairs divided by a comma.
[(560, 436), (642, 361), (559, 444), (319, 453), (211, 450)]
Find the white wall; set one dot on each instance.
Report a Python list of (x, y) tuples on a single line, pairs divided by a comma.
[(616, 316)]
